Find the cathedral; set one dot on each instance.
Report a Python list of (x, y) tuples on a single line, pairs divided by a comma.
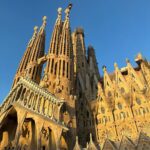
[(59, 100)]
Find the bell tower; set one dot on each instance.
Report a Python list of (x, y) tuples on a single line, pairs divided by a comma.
[(34, 69), (25, 60), (60, 58)]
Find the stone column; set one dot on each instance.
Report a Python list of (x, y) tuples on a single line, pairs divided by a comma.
[(47, 113), (50, 111), (43, 106), (58, 111), (21, 94), (33, 104), (5, 140), (21, 119), (12, 97), (17, 90), (29, 99), (37, 102), (39, 126)]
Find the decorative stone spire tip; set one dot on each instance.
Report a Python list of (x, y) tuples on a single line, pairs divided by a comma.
[(35, 28), (77, 139), (127, 60), (115, 65), (104, 68), (139, 57), (44, 20), (59, 11), (67, 11), (34, 35), (91, 140), (35, 32)]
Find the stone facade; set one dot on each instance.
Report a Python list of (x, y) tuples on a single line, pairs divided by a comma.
[(69, 106)]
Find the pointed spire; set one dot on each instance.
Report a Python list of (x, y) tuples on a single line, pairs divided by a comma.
[(104, 68), (59, 12), (127, 60), (116, 65), (67, 11), (35, 32), (43, 25), (119, 78), (34, 36), (55, 39), (91, 140), (34, 70), (58, 20), (139, 58), (26, 57), (91, 144), (134, 76), (77, 146)]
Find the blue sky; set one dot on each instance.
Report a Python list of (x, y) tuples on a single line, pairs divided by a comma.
[(118, 29)]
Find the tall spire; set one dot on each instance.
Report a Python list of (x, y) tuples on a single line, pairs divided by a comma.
[(56, 34), (93, 61), (60, 57), (67, 11), (34, 70), (42, 29), (58, 20), (33, 37), (51, 66), (66, 39), (25, 59), (65, 61)]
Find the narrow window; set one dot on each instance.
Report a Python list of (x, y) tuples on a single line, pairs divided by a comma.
[(67, 69), (59, 66), (52, 65), (55, 68), (63, 68)]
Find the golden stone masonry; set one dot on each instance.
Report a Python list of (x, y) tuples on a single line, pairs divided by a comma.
[(70, 106)]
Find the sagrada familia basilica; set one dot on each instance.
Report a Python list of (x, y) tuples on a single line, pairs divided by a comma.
[(69, 105)]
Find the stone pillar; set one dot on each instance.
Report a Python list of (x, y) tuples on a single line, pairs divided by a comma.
[(31, 100), (17, 89), (58, 111), (21, 94), (12, 97), (42, 104), (39, 126), (5, 140), (20, 120), (50, 111)]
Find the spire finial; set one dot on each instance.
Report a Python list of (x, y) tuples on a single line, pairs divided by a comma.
[(91, 140), (35, 31), (44, 21), (59, 10), (77, 140), (104, 68), (127, 60), (43, 25), (115, 65), (34, 35), (139, 57), (67, 11)]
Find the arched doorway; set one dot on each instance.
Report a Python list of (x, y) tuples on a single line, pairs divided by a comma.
[(8, 129)]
